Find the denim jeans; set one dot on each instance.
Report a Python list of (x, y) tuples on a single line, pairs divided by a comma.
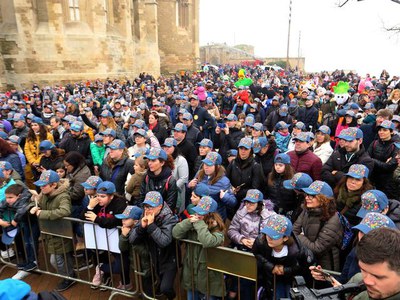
[(63, 264), (31, 238)]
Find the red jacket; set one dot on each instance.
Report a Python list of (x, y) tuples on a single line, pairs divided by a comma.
[(306, 162)]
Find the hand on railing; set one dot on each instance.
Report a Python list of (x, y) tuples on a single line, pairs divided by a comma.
[(90, 216)]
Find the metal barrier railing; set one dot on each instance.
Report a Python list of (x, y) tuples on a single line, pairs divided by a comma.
[(226, 261)]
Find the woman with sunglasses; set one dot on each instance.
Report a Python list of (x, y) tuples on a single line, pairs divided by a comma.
[(318, 227)]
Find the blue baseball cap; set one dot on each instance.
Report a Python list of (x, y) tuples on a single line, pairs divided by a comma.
[(298, 181), (106, 114), (109, 131), (324, 129), (14, 139), (37, 120), (117, 144), (246, 142), (46, 145), (140, 132), (156, 153), (139, 124), (259, 143), (283, 110), (19, 117), (130, 212), (372, 201), (351, 134), (232, 152), (206, 205), (249, 120), (3, 135), (277, 227), (373, 220), (180, 127), (254, 195), (187, 116), (47, 177), (206, 143), (212, 159), (9, 234), (98, 138), (169, 142), (387, 124), (76, 126), (258, 126), (153, 199), (282, 158), (5, 165), (358, 171), (231, 117), (319, 187), (302, 136), (281, 125), (300, 125), (201, 190), (92, 183), (106, 187)]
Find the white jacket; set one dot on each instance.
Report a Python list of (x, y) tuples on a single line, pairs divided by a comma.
[(323, 152)]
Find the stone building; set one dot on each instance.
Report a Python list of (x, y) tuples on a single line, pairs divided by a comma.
[(50, 41), (216, 54)]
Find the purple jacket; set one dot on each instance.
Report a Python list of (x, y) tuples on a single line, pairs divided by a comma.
[(248, 225)]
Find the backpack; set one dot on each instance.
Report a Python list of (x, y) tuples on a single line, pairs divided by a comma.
[(347, 232)]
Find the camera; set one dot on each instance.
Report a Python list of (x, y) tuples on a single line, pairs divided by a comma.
[(301, 291)]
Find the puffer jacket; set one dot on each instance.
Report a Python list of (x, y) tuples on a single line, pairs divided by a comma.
[(32, 151), (164, 183), (323, 152), (246, 172), (194, 262), (284, 200), (247, 225), (18, 210), (158, 240), (222, 184), (54, 207), (297, 261), (306, 162), (383, 155), (322, 238), (117, 173), (337, 162), (76, 190)]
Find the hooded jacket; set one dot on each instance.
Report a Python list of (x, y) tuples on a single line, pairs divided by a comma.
[(54, 207), (18, 210)]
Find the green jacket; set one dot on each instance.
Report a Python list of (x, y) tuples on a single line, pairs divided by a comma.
[(54, 207), (195, 255), (97, 153), (140, 249)]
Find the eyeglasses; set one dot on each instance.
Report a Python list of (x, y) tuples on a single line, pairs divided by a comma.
[(310, 196)]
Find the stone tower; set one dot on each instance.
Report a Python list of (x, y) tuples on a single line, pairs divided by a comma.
[(56, 41)]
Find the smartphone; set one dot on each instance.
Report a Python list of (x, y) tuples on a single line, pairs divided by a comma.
[(221, 125)]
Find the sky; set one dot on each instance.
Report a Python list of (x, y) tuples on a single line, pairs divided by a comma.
[(350, 38)]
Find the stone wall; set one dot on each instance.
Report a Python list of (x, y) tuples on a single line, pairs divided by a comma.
[(179, 45), (41, 42)]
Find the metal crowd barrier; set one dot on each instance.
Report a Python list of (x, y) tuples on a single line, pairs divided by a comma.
[(226, 261)]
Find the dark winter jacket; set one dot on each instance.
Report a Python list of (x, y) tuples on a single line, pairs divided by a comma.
[(160, 133), (246, 172), (194, 135), (225, 142), (188, 151), (267, 160), (370, 133), (309, 116), (306, 162), (106, 215), (394, 212), (18, 210), (322, 238), (337, 162), (117, 173), (295, 263), (22, 133), (15, 162), (50, 163), (274, 117), (201, 117), (383, 155), (157, 238), (164, 183), (81, 145), (284, 200)]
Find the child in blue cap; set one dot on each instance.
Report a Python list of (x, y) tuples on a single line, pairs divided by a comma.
[(279, 255)]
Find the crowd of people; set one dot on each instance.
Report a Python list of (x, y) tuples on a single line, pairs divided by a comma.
[(295, 168)]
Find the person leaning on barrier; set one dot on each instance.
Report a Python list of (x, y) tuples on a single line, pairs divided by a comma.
[(154, 231), (207, 227), (54, 203), (378, 255)]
